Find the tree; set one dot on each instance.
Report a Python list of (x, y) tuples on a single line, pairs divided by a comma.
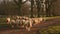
[(8, 8), (19, 4), (49, 6), (32, 3), (38, 7)]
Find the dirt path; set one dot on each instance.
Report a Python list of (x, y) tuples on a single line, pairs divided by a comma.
[(33, 29)]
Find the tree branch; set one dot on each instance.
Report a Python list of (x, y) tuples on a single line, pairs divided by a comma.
[(24, 2), (16, 2)]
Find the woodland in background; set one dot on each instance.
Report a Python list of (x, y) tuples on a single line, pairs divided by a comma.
[(34, 9)]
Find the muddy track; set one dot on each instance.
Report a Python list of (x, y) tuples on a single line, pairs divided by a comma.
[(34, 29)]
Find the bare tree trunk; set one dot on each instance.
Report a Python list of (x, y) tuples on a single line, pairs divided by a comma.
[(19, 7), (38, 7), (32, 3), (19, 4), (49, 4)]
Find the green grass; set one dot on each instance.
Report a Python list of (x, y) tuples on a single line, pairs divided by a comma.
[(46, 18), (2, 20), (50, 30)]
